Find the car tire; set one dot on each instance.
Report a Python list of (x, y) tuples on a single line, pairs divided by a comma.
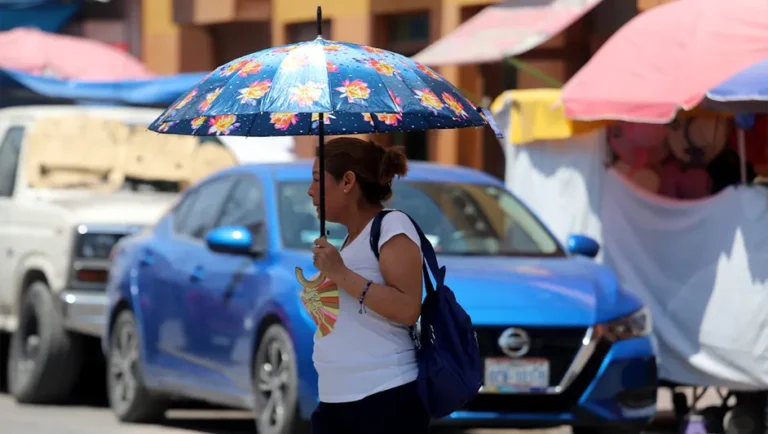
[(743, 421), (128, 396), (276, 384), (749, 415), (44, 358)]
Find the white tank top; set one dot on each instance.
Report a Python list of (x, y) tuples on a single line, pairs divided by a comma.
[(357, 355)]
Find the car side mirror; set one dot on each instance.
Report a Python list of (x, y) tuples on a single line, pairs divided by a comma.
[(237, 240), (583, 245)]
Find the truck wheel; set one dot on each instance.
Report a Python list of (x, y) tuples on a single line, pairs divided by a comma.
[(129, 398), (45, 359), (276, 384)]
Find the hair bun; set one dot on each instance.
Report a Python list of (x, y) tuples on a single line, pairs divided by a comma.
[(393, 163)]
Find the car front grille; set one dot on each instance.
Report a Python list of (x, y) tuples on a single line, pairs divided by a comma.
[(543, 403), (559, 345)]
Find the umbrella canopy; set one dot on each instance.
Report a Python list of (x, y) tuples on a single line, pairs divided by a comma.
[(315, 88), (282, 91), (667, 58), (745, 92), (67, 57)]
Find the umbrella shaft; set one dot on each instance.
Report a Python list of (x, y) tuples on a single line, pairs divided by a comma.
[(321, 145), (321, 161)]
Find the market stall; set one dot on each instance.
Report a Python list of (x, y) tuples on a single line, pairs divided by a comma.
[(676, 222)]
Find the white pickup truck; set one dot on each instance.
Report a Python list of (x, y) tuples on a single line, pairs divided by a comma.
[(73, 181)]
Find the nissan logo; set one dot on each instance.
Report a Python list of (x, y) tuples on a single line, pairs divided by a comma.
[(514, 342)]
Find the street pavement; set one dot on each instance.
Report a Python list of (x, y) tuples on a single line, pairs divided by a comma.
[(98, 419), (23, 419)]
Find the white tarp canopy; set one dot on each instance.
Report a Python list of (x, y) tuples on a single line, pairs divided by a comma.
[(701, 266)]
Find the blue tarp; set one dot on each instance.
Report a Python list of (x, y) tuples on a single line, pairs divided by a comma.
[(160, 91), (744, 94), (47, 15)]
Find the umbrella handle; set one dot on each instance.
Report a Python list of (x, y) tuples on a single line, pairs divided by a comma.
[(311, 284)]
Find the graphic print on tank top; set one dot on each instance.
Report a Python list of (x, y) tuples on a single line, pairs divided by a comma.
[(322, 303)]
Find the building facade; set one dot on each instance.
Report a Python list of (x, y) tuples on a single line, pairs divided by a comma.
[(198, 35)]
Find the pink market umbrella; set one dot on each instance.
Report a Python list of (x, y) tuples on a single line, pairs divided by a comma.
[(67, 57), (667, 58)]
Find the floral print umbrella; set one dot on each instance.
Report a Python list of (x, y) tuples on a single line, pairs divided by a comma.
[(320, 87), (282, 90)]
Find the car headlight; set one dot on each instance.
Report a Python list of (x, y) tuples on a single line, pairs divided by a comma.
[(95, 245), (634, 325)]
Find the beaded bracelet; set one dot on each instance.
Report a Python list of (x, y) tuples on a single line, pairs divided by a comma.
[(362, 296)]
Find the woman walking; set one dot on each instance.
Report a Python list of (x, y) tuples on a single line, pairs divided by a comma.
[(366, 360)]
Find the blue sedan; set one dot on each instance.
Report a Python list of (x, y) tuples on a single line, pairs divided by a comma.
[(205, 305)]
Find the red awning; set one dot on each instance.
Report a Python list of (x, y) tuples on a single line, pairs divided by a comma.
[(503, 30)]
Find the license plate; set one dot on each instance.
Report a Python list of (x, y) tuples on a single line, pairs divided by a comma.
[(504, 375)]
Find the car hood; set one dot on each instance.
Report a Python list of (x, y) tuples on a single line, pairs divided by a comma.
[(122, 207), (537, 291), (570, 291)]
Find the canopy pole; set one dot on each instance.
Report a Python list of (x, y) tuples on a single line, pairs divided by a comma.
[(541, 75), (742, 144)]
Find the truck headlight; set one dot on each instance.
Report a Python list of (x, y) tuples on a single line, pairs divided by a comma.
[(95, 245), (634, 325)]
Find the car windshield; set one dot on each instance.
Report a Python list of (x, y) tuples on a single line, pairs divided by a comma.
[(458, 219)]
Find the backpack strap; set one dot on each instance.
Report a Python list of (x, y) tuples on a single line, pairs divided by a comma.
[(376, 231), (427, 250)]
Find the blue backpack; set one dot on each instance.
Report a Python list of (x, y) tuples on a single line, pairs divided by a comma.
[(450, 367)]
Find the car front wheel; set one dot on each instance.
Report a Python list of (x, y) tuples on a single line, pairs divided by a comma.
[(276, 384), (129, 398)]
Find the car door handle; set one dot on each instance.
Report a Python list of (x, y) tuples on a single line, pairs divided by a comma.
[(197, 275), (236, 279), (147, 258)]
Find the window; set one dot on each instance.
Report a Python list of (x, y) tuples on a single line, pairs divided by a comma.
[(414, 142), (299, 224), (244, 205), (228, 40), (205, 209), (181, 211), (409, 28), (407, 34), (458, 219), (10, 150)]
